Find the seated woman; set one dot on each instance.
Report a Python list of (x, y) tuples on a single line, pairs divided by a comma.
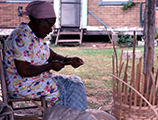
[(28, 60)]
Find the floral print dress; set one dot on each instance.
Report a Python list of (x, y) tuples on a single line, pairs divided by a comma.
[(22, 45)]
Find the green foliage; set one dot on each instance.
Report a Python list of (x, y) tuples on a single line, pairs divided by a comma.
[(125, 40), (156, 34), (127, 5)]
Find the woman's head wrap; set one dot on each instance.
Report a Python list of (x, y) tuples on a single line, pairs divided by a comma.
[(40, 10)]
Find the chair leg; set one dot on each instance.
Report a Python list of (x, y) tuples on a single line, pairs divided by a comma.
[(11, 104), (43, 102), (11, 117)]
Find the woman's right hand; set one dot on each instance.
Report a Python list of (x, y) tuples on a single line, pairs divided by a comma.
[(57, 65)]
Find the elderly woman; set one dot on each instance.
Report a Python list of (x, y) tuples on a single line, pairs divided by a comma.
[(28, 60)]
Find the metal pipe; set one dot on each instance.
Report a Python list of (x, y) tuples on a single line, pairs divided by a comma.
[(140, 19), (98, 19)]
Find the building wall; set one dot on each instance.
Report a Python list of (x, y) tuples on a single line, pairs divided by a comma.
[(9, 14), (157, 18), (114, 16)]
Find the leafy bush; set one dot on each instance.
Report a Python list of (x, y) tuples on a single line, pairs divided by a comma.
[(156, 34), (127, 5), (125, 40)]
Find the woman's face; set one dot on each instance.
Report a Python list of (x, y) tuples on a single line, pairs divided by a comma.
[(44, 27)]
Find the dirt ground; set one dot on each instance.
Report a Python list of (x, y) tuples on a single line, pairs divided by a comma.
[(97, 45), (91, 45)]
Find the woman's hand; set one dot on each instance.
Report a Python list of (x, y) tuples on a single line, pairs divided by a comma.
[(57, 65), (76, 62)]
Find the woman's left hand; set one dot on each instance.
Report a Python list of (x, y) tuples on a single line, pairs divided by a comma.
[(76, 62)]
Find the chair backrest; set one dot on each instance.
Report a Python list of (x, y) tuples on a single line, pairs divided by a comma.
[(2, 76), (7, 99)]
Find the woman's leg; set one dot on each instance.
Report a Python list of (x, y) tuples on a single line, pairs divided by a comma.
[(72, 92)]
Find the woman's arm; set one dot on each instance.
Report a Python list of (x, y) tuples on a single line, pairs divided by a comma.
[(73, 61), (55, 56), (26, 69), (55, 62)]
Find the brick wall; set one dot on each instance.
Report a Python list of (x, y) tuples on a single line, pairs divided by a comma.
[(114, 16), (157, 18), (9, 14)]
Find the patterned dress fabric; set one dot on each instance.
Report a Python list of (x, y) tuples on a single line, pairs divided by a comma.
[(23, 45)]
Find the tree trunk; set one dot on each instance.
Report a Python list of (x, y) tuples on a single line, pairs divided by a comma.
[(149, 33)]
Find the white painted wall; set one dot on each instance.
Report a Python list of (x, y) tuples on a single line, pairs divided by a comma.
[(83, 17), (83, 22), (57, 12)]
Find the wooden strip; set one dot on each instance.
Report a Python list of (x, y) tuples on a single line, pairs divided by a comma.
[(25, 99), (152, 87), (126, 92), (57, 38), (125, 73), (120, 103), (142, 91), (116, 66), (120, 70), (119, 84), (69, 40), (39, 106), (136, 86), (119, 75), (116, 59), (29, 107), (114, 80), (137, 82), (121, 59), (130, 99), (36, 103), (133, 71), (133, 61), (120, 65), (155, 92), (125, 79), (27, 117), (43, 102), (139, 73), (157, 96), (156, 77), (145, 84), (93, 116)]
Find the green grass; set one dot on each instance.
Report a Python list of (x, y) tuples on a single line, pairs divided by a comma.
[(98, 84), (98, 58)]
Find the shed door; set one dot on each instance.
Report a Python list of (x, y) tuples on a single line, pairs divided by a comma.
[(70, 13)]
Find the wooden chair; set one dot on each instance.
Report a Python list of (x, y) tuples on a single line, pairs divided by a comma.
[(7, 99)]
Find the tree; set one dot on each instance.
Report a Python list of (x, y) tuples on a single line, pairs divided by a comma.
[(149, 33)]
